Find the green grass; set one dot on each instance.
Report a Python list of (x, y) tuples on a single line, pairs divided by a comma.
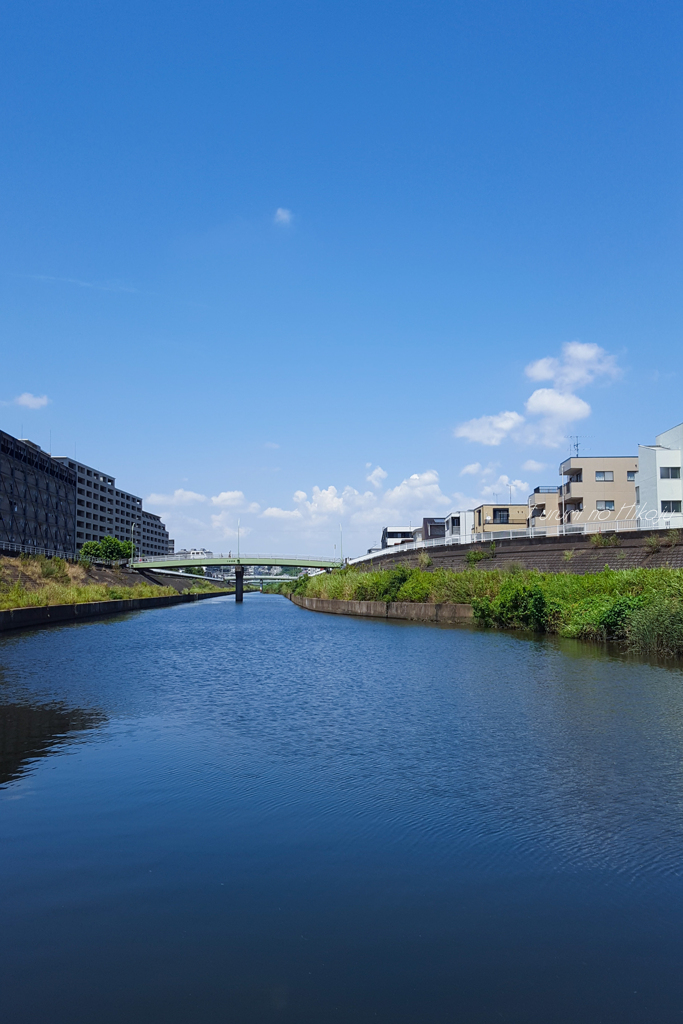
[(640, 608), (17, 596)]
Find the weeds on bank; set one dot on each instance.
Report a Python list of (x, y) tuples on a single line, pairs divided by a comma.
[(17, 596), (640, 608)]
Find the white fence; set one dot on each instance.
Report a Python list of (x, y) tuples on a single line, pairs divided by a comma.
[(674, 521), (8, 547)]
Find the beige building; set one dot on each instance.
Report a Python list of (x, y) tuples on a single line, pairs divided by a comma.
[(601, 489), (494, 518)]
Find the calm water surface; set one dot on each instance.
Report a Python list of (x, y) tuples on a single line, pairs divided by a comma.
[(224, 814)]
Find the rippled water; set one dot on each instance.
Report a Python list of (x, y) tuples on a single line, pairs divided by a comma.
[(224, 813)]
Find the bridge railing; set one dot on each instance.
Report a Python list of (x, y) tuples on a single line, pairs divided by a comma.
[(208, 559)]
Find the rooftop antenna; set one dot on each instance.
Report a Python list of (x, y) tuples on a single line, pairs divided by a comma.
[(575, 444)]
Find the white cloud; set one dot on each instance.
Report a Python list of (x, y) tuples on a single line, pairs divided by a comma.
[(377, 475), (555, 407), (580, 365), (281, 513), (300, 497), (233, 499), (471, 470), (282, 216), (490, 430), (531, 466), (504, 486), (30, 401), (419, 489), (179, 497)]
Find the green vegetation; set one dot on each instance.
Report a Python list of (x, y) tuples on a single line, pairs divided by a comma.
[(640, 608), (16, 595), (108, 549), (51, 581)]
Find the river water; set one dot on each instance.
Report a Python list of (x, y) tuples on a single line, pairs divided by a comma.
[(229, 814)]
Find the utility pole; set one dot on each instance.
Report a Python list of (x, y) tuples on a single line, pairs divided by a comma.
[(341, 544)]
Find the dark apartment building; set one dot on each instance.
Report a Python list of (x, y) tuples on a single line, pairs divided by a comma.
[(37, 500), (103, 509)]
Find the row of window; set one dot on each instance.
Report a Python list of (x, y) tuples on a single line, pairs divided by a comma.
[(669, 472), (602, 476)]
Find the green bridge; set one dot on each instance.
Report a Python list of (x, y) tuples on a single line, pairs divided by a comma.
[(236, 562)]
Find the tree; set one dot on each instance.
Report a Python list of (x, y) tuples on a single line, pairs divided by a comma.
[(91, 550), (110, 548), (126, 549)]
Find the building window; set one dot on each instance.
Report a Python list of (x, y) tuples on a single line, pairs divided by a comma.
[(603, 506), (669, 472), (501, 515), (671, 506), (631, 475), (604, 476)]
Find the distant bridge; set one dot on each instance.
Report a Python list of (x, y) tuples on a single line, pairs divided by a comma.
[(237, 563)]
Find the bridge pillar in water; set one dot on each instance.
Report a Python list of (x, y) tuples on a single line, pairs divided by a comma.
[(239, 583)]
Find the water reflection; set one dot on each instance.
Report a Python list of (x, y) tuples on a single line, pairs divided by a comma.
[(32, 731)]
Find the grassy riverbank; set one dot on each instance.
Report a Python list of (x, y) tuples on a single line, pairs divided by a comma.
[(641, 609), (36, 582)]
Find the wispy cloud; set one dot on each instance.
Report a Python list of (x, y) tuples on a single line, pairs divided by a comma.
[(531, 466), (283, 216), (378, 474), (490, 430), (179, 497), (506, 487), (472, 470), (100, 286), (271, 444), (29, 401)]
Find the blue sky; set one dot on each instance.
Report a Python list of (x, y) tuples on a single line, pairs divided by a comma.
[(477, 251)]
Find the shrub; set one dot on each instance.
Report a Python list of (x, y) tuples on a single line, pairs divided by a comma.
[(518, 604), (418, 587), (53, 568), (653, 543), (657, 628), (473, 557), (568, 555), (423, 560), (605, 540)]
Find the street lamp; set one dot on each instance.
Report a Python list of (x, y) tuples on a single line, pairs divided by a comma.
[(132, 541)]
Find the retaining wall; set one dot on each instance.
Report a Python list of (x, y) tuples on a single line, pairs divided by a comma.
[(575, 553), (393, 610), (22, 618)]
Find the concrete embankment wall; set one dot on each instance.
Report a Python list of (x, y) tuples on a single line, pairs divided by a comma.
[(547, 554), (393, 610), (23, 618)]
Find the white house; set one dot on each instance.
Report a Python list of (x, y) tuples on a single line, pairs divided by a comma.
[(659, 493)]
